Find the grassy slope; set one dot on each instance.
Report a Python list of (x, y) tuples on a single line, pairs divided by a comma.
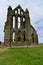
[(22, 56)]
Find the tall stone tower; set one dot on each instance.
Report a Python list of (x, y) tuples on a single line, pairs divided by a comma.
[(18, 30)]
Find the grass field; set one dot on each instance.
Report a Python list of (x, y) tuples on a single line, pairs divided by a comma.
[(22, 56)]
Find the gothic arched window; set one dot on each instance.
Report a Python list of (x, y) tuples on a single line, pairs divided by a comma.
[(13, 22), (18, 22), (22, 12), (18, 11), (23, 19), (15, 11), (13, 36)]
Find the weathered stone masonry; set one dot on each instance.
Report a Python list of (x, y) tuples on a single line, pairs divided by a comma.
[(24, 32)]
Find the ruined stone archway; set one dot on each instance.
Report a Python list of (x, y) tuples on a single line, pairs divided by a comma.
[(17, 22)]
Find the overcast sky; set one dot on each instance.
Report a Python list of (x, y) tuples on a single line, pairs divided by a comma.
[(35, 8)]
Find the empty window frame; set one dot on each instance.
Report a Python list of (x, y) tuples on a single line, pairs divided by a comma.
[(18, 11), (23, 19), (13, 22), (18, 22), (22, 12), (13, 36), (15, 11)]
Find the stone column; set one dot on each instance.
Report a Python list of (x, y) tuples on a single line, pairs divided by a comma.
[(28, 28), (16, 22), (21, 26), (16, 29), (7, 29), (7, 40), (21, 23)]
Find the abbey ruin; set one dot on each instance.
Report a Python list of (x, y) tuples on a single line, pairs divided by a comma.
[(18, 30)]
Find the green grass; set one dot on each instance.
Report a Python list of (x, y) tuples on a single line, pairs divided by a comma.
[(22, 56)]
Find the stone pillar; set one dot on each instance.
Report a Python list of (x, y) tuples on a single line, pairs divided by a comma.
[(7, 29), (21, 27), (7, 35), (28, 28), (21, 23), (16, 29), (16, 22)]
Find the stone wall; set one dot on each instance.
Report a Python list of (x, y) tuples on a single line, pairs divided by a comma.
[(25, 34)]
